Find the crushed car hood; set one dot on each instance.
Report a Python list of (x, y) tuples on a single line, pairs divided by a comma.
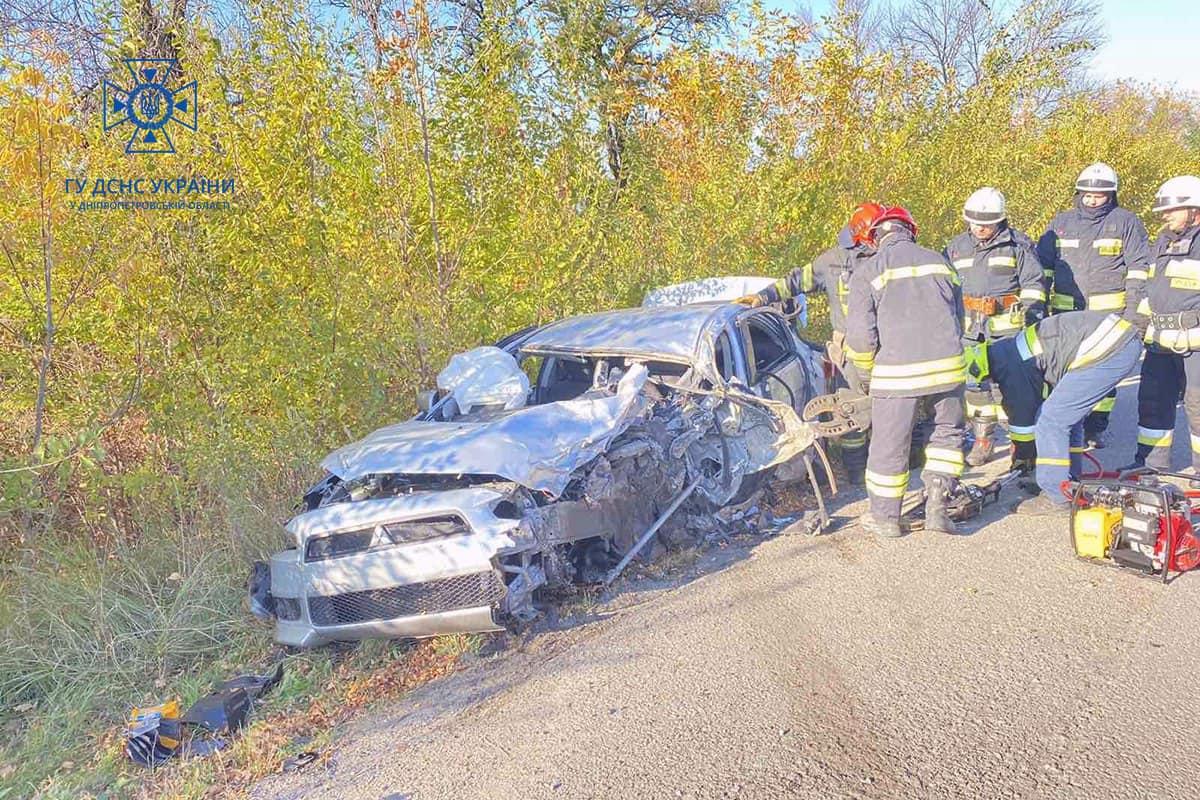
[(538, 446)]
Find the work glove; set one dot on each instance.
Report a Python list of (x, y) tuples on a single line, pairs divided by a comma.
[(1140, 322), (751, 301), (1034, 314)]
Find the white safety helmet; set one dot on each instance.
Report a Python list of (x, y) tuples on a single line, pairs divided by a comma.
[(1098, 177), (1182, 191), (985, 207)]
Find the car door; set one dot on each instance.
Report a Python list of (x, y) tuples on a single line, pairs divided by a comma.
[(775, 368)]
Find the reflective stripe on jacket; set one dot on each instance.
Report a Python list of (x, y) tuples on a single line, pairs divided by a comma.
[(1027, 365), (905, 322), (1097, 258), (1006, 264), (830, 273), (1174, 286), (1071, 341)]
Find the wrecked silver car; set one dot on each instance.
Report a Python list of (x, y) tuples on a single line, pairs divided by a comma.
[(538, 463)]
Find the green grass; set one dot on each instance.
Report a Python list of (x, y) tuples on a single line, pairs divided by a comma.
[(88, 631)]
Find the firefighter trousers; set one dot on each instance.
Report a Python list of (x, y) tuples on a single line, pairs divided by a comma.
[(1165, 376), (1059, 427), (892, 421), (1096, 421), (853, 444)]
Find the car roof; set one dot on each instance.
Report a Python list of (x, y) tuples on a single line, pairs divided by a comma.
[(666, 332)]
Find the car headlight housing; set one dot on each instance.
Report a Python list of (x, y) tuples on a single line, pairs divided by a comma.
[(364, 540)]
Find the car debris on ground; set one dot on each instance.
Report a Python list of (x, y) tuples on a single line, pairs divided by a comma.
[(155, 734)]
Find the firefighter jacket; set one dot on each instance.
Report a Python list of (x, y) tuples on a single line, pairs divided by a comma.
[(999, 274), (829, 273), (1172, 302), (1095, 258), (1028, 365), (905, 321)]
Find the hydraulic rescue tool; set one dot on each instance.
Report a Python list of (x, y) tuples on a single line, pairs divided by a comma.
[(967, 502), (837, 414), (1136, 521)]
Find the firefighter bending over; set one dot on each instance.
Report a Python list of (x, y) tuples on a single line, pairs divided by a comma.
[(1071, 360)]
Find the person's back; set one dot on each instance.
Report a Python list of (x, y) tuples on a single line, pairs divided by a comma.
[(913, 317)]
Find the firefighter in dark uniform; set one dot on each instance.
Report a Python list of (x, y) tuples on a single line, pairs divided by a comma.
[(1171, 314), (830, 273), (1050, 376), (1096, 256), (905, 330), (1002, 293)]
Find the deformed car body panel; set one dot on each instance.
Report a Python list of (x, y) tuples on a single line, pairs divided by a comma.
[(536, 446), (400, 567), (683, 334), (513, 500)]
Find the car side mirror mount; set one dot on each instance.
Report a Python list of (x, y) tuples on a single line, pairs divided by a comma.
[(426, 399)]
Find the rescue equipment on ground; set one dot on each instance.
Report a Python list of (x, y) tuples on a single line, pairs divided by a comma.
[(1136, 521), (966, 502)]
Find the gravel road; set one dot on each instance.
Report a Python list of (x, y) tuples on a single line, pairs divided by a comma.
[(987, 665)]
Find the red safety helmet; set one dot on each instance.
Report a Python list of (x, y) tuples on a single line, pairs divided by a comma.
[(892, 214), (862, 219)]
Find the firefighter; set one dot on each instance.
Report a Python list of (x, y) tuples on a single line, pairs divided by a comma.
[(1096, 257), (1171, 312), (1071, 360), (830, 273), (1002, 292), (905, 331)]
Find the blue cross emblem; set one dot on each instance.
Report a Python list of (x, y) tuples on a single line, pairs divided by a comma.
[(150, 105)]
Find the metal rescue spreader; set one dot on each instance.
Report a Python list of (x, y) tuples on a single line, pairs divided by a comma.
[(1138, 521), (844, 411)]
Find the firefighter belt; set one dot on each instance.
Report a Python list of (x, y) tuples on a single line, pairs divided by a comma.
[(990, 306)]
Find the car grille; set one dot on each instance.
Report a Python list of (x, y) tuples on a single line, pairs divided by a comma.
[(431, 597)]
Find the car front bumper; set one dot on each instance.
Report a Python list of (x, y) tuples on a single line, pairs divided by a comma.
[(424, 588)]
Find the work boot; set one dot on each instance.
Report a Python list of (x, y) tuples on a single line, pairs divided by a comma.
[(881, 526), (938, 489), (981, 451), (1025, 466), (983, 431), (1042, 506)]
